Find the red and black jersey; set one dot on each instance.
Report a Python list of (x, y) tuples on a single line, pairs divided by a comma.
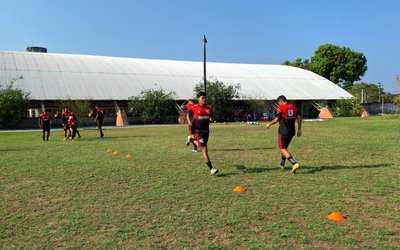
[(201, 117), (72, 123), (287, 114), (64, 117), (100, 114), (45, 118)]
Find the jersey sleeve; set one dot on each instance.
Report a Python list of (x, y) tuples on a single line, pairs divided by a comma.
[(279, 113)]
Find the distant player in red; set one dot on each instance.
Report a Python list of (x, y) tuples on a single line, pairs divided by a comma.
[(286, 115), (72, 126), (202, 115), (99, 120), (45, 121), (64, 121), (189, 106)]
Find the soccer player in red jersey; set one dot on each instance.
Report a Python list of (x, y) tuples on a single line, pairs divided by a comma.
[(202, 115), (45, 120), (64, 121), (99, 120), (189, 105), (72, 126), (286, 115)]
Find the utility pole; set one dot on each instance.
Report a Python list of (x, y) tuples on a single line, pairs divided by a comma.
[(379, 95), (204, 65)]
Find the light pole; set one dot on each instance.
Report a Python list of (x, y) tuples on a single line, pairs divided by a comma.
[(204, 63), (379, 89)]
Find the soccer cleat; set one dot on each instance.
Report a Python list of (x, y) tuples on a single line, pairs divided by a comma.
[(194, 151), (214, 171), (188, 140), (294, 168), (65, 139), (79, 136)]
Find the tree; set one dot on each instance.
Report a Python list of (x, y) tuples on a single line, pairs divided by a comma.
[(153, 106), (299, 63), (370, 92), (347, 107), (220, 96), (341, 65), (14, 104)]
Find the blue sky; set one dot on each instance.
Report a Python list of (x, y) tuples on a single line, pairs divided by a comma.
[(238, 31)]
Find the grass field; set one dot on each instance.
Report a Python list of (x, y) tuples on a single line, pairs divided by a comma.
[(76, 195)]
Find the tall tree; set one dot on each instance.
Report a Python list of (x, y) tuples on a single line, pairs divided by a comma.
[(340, 65)]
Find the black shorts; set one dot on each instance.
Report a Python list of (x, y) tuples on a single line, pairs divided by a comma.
[(202, 138), (284, 140), (99, 123), (66, 126), (45, 127)]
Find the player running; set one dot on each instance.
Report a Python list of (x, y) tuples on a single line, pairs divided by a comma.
[(189, 105), (45, 121), (202, 114), (64, 121), (72, 127), (99, 120), (286, 114)]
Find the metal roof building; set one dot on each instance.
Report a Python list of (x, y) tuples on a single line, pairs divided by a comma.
[(50, 76)]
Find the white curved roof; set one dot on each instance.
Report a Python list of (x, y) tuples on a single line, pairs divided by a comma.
[(82, 77)]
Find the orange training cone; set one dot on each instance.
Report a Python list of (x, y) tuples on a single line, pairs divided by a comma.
[(109, 150), (239, 189), (116, 153), (129, 156), (336, 216)]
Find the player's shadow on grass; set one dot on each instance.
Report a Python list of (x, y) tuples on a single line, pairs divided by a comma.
[(244, 169), (225, 174), (113, 138), (313, 170), (240, 149)]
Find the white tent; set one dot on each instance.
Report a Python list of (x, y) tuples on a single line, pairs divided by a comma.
[(82, 77)]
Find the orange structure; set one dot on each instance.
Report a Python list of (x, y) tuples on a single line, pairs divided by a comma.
[(335, 216), (122, 119), (325, 113)]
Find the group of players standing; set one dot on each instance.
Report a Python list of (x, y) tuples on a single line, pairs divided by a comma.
[(200, 115), (69, 123)]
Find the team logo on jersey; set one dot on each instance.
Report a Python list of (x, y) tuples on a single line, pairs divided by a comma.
[(208, 111)]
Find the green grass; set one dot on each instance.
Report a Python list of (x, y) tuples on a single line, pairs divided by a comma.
[(76, 195)]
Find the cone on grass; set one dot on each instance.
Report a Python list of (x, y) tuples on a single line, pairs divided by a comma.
[(116, 153), (336, 216), (239, 189), (129, 155), (109, 150)]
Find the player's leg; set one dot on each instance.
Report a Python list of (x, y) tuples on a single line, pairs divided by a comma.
[(202, 139), (43, 133), (77, 132), (284, 142), (48, 133)]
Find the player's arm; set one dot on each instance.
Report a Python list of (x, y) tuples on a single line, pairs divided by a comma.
[(40, 122), (188, 118), (272, 122), (299, 122)]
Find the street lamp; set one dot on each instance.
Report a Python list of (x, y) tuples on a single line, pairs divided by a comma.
[(379, 89), (204, 64)]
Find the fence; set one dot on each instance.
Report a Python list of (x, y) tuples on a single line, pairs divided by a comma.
[(386, 108)]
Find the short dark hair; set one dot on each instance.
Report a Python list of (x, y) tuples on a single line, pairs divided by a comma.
[(281, 98), (65, 107), (201, 93)]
